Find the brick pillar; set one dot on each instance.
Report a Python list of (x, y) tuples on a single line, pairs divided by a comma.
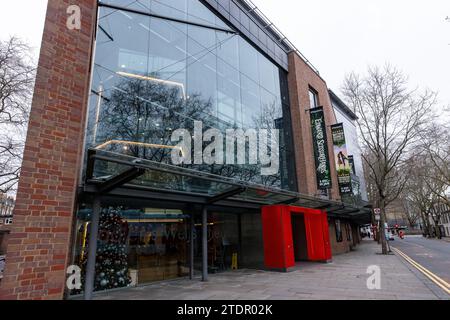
[(300, 77), (39, 244)]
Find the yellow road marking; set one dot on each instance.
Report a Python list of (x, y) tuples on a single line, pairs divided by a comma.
[(437, 280), (422, 268)]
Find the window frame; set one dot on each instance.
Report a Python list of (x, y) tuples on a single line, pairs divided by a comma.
[(312, 93)]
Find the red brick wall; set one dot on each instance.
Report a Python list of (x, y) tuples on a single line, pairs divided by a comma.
[(300, 78), (39, 243), (356, 235), (339, 247)]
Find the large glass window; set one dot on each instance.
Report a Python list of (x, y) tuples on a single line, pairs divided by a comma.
[(153, 75), (248, 58), (202, 67)]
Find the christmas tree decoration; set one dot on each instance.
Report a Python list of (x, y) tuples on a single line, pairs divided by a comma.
[(111, 266), (112, 259)]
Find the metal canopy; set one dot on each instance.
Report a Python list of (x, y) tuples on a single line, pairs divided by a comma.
[(120, 179), (227, 194), (110, 174)]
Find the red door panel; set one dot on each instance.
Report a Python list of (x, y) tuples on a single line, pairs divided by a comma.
[(278, 240), (273, 243), (289, 255), (315, 239)]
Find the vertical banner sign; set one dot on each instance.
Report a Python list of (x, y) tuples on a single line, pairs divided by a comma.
[(319, 136), (341, 158)]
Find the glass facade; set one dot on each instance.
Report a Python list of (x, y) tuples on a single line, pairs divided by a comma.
[(154, 74)]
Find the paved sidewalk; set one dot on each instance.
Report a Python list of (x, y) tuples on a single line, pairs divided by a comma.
[(446, 239), (344, 278)]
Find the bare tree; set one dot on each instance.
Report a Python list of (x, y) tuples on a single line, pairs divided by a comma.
[(412, 213), (423, 191), (16, 87), (390, 119), (429, 172), (436, 147)]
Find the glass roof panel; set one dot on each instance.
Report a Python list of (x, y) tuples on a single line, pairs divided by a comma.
[(167, 177), (263, 195), (160, 180), (176, 182)]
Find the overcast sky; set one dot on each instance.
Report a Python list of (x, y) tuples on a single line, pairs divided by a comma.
[(346, 35), (336, 36)]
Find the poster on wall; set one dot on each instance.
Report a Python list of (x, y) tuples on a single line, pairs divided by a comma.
[(320, 147), (341, 158)]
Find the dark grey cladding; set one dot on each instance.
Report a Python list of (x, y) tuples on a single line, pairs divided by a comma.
[(254, 27)]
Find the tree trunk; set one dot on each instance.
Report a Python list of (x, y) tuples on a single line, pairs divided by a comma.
[(382, 235), (375, 231), (426, 226), (438, 230)]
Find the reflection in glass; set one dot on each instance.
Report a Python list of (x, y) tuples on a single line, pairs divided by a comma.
[(152, 76), (114, 264), (135, 246), (161, 248), (234, 242)]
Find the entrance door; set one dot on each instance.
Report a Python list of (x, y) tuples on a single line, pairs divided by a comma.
[(223, 241), (234, 241), (299, 237), (161, 244)]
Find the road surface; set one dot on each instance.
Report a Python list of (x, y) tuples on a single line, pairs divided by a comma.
[(430, 256)]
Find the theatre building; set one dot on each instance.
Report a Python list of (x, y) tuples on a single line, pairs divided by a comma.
[(173, 139)]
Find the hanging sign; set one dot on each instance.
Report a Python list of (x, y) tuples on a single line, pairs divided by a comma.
[(320, 147), (341, 159)]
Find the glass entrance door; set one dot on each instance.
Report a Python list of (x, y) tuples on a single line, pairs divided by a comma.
[(234, 241), (161, 245), (223, 241)]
